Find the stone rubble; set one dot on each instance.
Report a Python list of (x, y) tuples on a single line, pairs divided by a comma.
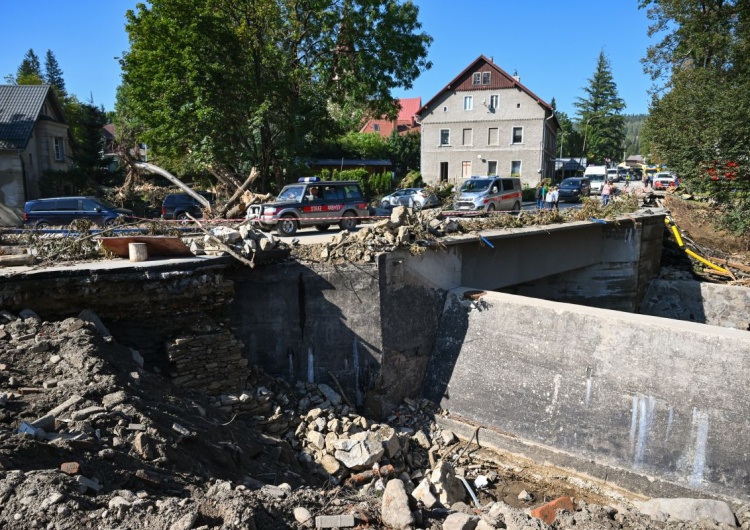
[(114, 444)]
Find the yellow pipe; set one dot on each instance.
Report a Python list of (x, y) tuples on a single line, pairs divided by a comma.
[(704, 261), (677, 236)]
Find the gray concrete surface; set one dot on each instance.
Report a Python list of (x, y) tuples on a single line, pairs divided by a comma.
[(653, 396)]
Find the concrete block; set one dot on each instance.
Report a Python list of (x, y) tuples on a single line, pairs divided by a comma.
[(334, 521)]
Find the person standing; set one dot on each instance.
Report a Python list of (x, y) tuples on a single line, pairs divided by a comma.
[(606, 193), (539, 196)]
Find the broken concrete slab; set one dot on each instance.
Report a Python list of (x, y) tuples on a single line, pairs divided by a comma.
[(394, 511), (695, 510)]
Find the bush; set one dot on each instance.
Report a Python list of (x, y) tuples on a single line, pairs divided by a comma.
[(528, 194)]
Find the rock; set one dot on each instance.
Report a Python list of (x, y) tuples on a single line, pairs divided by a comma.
[(118, 502), (481, 482), (394, 511), (423, 493), (330, 464), (317, 439), (690, 510), (330, 394), (360, 451), (28, 313), (389, 439), (484, 525), (524, 496), (70, 468), (302, 516), (142, 446), (185, 522), (398, 216), (421, 438), (115, 398), (448, 437), (85, 484), (447, 487), (89, 316), (82, 414), (460, 521)]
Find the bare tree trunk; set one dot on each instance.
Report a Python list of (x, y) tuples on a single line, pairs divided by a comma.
[(237, 194)]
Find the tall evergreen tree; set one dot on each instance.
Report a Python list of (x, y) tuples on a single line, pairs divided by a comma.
[(569, 141), (599, 116), (53, 74), (30, 70)]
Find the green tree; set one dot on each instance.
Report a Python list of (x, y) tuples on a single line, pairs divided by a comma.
[(53, 74), (599, 118), (226, 85), (404, 150), (697, 124), (368, 146), (30, 70), (569, 140)]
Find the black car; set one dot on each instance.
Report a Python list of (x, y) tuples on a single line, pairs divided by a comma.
[(61, 211), (177, 206), (572, 189)]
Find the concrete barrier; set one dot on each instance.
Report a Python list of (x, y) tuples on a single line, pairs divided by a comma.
[(651, 396)]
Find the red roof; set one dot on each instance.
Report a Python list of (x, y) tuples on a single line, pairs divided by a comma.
[(404, 123)]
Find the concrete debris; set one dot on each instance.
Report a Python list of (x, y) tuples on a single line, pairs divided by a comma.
[(395, 512), (697, 510), (117, 445), (244, 240)]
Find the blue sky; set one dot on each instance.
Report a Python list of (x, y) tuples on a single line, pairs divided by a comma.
[(553, 44)]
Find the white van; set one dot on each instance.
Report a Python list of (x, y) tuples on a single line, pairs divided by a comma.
[(613, 174), (597, 175)]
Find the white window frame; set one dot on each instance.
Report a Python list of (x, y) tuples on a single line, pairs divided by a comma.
[(520, 167), (490, 163), (59, 148), (494, 101), (476, 79), (440, 137), (471, 136), (513, 135), (488, 76), (468, 102), (489, 136)]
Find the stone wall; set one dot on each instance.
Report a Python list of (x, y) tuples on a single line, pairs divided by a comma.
[(210, 363), (708, 303)]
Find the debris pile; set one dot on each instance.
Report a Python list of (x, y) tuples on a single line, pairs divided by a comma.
[(222, 240), (90, 437)]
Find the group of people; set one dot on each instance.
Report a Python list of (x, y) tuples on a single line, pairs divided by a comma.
[(547, 197)]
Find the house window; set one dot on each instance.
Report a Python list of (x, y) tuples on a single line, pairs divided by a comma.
[(59, 149), (445, 136), (466, 169), (494, 100), (515, 168), (517, 135), (486, 78), (376, 127), (468, 137), (476, 78), (443, 171), (491, 168), (493, 136), (468, 102)]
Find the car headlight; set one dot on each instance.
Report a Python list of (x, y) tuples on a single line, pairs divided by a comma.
[(269, 210)]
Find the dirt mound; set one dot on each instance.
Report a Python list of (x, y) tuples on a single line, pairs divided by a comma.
[(697, 219)]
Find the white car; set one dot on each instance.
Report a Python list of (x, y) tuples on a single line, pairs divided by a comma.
[(664, 180), (416, 198)]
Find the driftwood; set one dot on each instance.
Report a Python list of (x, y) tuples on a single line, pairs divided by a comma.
[(250, 179), (14, 260), (734, 265)]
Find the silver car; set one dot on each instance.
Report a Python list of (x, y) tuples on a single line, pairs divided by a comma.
[(416, 198)]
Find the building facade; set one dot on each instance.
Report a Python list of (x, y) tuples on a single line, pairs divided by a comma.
[(485, 122), (34, 139)]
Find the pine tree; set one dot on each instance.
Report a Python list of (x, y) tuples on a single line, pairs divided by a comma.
[(599, 118), (53, 74), (30, 70)]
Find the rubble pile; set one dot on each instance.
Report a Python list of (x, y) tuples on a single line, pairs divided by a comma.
[(92, 438), (243, 240)]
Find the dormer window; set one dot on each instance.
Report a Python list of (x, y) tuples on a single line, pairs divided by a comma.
[(376, 127), (486, 78)]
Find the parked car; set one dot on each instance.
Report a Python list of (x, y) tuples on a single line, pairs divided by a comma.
[(416, 198), (312, 202), (572, 189), (61, 211), (597, 176), (176, 206), (664, 180), (488, 194), (613, 174)]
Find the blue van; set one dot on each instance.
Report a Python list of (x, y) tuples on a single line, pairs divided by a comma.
[(61, 211)]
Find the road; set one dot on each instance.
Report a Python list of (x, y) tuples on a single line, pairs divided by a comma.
[(310, 236)]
